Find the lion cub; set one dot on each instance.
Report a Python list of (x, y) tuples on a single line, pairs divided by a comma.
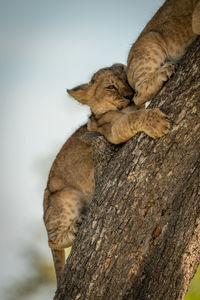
[(163, 41), (112, 117), (70, 186)]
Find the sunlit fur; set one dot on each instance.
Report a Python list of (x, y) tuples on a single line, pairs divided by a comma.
[(162, 43), (108, 95), (107, 90), (70, 187)]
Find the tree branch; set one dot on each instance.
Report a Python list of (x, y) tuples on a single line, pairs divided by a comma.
[(141, 238)]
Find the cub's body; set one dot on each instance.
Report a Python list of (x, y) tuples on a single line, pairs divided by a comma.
[(71, 184), (162, 43), (69, 190)]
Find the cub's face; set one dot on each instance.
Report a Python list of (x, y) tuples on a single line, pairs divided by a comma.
[(107, 90)]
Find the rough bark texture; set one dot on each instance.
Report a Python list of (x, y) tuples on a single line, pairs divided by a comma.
[(141, 238)]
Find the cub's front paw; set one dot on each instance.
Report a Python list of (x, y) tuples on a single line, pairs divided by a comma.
[(156, 123)]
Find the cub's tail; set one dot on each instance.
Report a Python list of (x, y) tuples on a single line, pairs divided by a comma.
[(59, 263)]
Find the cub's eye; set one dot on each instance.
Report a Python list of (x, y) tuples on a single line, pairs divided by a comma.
[(111, 87)]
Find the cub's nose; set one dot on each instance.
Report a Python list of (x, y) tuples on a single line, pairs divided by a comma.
[(129, 97)]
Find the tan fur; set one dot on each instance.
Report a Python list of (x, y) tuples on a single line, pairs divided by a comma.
[(69, 190), (119, 126), (71, 185), (162, 43)]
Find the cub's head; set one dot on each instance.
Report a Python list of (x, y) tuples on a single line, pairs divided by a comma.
[(107, 90)]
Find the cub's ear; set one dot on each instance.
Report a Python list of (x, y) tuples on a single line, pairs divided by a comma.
[(80, 93), (120, 66)]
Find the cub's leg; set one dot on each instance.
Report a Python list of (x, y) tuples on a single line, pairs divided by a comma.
[(196, 19), (61, 214), (150, 86), (147, 67), (119, 127)]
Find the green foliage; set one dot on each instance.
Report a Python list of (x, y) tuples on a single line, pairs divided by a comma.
[(194, 288)]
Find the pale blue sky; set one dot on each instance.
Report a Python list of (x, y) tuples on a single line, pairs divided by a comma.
[(46, 47)]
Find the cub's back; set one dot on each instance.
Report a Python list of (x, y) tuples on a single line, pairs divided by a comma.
[(73, 166), (170, 10)]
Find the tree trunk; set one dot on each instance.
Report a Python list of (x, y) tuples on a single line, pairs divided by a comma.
[(141, 239)]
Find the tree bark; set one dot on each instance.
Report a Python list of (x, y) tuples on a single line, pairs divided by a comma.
[(141, 239)]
